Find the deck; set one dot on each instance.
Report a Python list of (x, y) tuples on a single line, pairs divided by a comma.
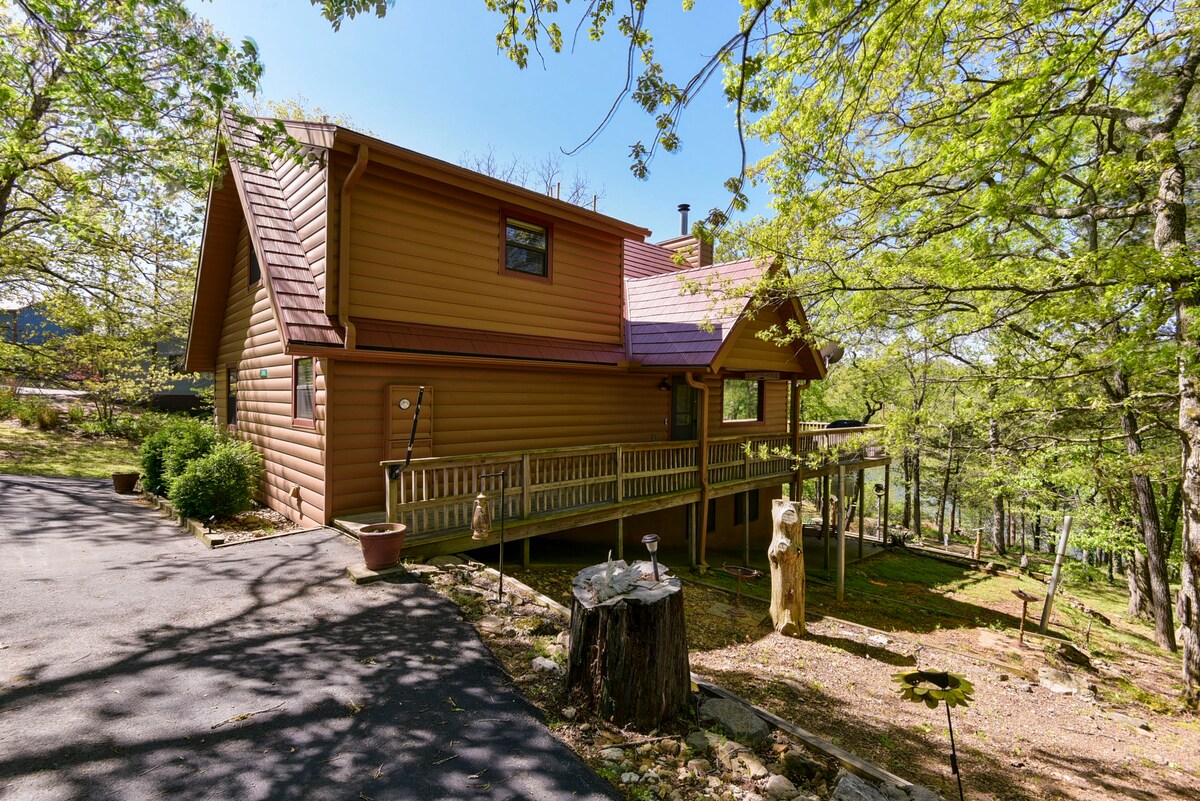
[(564, 488)]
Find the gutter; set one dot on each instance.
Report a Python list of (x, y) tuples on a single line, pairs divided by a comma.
[(343, 310), (705, 489)]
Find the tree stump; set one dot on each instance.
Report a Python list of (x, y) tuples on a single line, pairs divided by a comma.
[(786, 555), (628, 660)]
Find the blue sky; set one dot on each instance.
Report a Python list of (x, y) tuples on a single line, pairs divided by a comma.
[(428, 77)]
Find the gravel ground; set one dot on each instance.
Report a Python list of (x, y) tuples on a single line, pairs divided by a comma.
[(1018, 740)]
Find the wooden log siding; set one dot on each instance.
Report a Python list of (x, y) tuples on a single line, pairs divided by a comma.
[(250, 342), (436, 496), (416, 244)]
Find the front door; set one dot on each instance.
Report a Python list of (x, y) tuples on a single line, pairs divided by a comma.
[(683, 410)]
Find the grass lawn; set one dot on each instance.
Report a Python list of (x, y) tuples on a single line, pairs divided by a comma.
[(30, 452)]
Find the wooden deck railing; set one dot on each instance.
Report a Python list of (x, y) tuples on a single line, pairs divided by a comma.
[(438, 494)]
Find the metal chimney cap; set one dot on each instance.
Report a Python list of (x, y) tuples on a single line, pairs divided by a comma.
[(685, 207)]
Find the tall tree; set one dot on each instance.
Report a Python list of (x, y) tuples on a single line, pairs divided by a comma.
[(108, 112)]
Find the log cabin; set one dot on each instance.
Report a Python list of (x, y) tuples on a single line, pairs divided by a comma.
[(367, 297)]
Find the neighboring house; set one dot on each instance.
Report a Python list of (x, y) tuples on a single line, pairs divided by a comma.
[(553, 344), (26, 323)]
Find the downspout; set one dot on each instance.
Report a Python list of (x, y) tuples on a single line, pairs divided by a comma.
[(705, 490), (343, 288)]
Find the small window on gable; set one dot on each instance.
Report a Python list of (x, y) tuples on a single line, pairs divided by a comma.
[(255, 270), (231, 395), (742, 401), (303, 391), (526, 247)]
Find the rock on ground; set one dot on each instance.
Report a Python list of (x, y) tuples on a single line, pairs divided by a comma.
[(736, 720)]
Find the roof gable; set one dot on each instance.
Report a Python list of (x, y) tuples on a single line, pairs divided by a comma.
[(696, 318)]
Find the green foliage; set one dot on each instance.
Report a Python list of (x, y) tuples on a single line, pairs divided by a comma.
[(221, 483), (37, 412), (8, 402), (165, 453)]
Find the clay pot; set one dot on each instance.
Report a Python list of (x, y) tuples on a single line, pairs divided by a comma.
[(381, 544), (124, 483)]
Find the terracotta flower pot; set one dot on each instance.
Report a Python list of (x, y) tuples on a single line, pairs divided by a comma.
[(124, 483), (381, 544)]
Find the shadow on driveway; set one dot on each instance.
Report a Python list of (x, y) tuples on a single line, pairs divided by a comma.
[(134, 663)]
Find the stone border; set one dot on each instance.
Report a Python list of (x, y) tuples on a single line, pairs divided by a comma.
[(198, 530)]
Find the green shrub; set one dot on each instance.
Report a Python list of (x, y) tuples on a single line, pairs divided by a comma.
[(37, 412), (166, 452), (8, 403), (221, 483), (190, 440), (76, 415)]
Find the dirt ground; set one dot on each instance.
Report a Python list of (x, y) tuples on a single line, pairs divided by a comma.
[(1017, 740)]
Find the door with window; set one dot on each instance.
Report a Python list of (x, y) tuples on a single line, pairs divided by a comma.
[(683, 410)]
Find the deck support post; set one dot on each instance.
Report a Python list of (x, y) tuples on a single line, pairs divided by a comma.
[(825, 522), (746, 528), (862, 509), (620, 538), (690, 512), (887, 493), (525, 552), (841, 521)]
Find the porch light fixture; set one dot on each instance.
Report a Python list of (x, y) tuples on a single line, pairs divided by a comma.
[(651, 543), (481, 520), (665, 384)]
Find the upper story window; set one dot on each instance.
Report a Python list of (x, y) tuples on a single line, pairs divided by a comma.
[(303, 390), (526, 247), (742, 401)]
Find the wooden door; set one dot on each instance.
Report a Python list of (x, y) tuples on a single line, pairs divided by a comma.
[(401, 407)]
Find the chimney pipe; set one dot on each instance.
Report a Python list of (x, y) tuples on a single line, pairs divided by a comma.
[(684, 208)]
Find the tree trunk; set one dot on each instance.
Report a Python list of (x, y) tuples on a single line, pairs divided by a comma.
[(1188, 604), (916, 503), (1146, 516), (998, 524), (998, 498), (906, 466), (1037, 534), (628, 660), (786, 555)]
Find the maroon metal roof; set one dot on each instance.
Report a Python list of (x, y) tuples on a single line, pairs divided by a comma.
[(448, 341), (672, 326), (281, 255), (642, 259)]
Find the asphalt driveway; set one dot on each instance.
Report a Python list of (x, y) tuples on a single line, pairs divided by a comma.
[(136, 664)]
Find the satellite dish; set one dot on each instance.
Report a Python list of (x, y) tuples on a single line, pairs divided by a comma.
[(832, 352)]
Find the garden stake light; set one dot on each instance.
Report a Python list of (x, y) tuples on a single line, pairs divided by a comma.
[(949, 687), (482, 521), (651, 543)]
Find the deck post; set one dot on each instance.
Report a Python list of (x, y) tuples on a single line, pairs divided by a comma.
[(887, 492), (862, 508), (525, 552), (620, 493), (393, 495), (526, 482), (841, 507), (825, 522), (620, 538), (797, 488), (746, 528)]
